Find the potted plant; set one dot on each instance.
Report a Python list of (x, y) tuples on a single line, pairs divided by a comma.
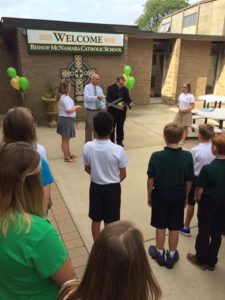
[(50, 98)]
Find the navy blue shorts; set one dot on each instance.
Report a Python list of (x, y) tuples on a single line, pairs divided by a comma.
[(168, 208), (105, 200)]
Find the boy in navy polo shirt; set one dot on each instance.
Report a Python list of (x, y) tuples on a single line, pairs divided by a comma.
[(170, 175), (210, 194)]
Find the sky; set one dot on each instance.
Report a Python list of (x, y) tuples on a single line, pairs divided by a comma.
[(92, 11)]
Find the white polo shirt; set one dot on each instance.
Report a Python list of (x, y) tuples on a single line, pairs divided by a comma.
[(65, 103), (185, 100), (105, 159), (41, 150), (202, 155)]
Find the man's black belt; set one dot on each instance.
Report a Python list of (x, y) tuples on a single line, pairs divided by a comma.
[(97, 109)]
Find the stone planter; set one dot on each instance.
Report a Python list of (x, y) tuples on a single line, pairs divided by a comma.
[(51, 110)]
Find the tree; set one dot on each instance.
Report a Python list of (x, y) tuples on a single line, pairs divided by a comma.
[(155, 10)]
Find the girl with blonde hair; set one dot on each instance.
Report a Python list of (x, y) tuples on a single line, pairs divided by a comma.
[(29, 267), (117, 268)]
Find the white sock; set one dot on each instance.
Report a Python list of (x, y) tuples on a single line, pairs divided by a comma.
[(172, 253), (185, 227), (160, 251)]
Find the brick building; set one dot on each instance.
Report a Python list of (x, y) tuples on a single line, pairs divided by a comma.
[(160, 62)]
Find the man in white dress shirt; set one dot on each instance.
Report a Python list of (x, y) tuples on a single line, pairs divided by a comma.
[(94, 100)]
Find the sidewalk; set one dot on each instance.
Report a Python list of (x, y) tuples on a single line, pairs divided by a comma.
[(143, 135), (60, 217)]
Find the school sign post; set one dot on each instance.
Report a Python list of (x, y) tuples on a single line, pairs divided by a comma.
[(79, 42)]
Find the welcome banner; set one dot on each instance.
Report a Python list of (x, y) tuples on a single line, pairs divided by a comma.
[(74, 42)]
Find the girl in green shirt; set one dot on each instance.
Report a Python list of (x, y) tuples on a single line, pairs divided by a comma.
[(30, 269)]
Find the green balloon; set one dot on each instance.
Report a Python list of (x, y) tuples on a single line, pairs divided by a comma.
[(24, 83), (127, 70), (11, 72), (130, 82)]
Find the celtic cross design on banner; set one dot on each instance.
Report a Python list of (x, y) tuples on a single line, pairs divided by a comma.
[(79, 74)]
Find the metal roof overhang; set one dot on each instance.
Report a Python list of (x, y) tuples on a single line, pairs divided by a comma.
[(68, 26), (133, 32), (170, 36)]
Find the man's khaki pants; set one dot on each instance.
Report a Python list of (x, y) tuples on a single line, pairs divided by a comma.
[(89, 130)]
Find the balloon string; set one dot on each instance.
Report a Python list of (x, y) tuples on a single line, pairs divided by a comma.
[(23, 98)]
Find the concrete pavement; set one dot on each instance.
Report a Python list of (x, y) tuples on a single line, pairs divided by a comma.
[(143, 135)]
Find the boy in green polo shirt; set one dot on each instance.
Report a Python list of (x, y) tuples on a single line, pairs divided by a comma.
[(170, 174), (210, 194)]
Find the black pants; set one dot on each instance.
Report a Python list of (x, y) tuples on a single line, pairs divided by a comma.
[(118, 123), (211, 216)]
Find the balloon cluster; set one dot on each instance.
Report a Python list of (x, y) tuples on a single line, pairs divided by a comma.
[(129, 80), (16, 82)]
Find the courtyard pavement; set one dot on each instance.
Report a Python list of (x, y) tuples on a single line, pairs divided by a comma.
[(143, 135)]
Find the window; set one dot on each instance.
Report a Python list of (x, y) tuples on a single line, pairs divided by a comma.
[(190, 20), (165, 27)]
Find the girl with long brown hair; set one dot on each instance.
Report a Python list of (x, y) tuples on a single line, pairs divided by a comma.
[(186, 103), (29, 267), (117, 268), (19, 125)]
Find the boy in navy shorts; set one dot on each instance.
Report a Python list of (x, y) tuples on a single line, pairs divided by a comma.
[(170, 175), (202, 155), (210, 194), (106, 163)]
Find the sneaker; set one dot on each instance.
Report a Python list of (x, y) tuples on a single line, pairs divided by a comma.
[(170, 261), (155, 254), (193, 260), (184, 231)]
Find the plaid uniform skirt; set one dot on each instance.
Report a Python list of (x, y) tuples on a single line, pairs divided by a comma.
[(65, 127)]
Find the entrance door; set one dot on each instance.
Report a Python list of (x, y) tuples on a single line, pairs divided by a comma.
[(157, 69)]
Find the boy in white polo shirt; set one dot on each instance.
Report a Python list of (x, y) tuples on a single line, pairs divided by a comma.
[(106, 163), (202, 155)]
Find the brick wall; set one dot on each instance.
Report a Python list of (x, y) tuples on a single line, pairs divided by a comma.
[(41, 68), (9, 97), (139, 57), (170, 74), (189, 62), (194, 65), (185, 61)]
